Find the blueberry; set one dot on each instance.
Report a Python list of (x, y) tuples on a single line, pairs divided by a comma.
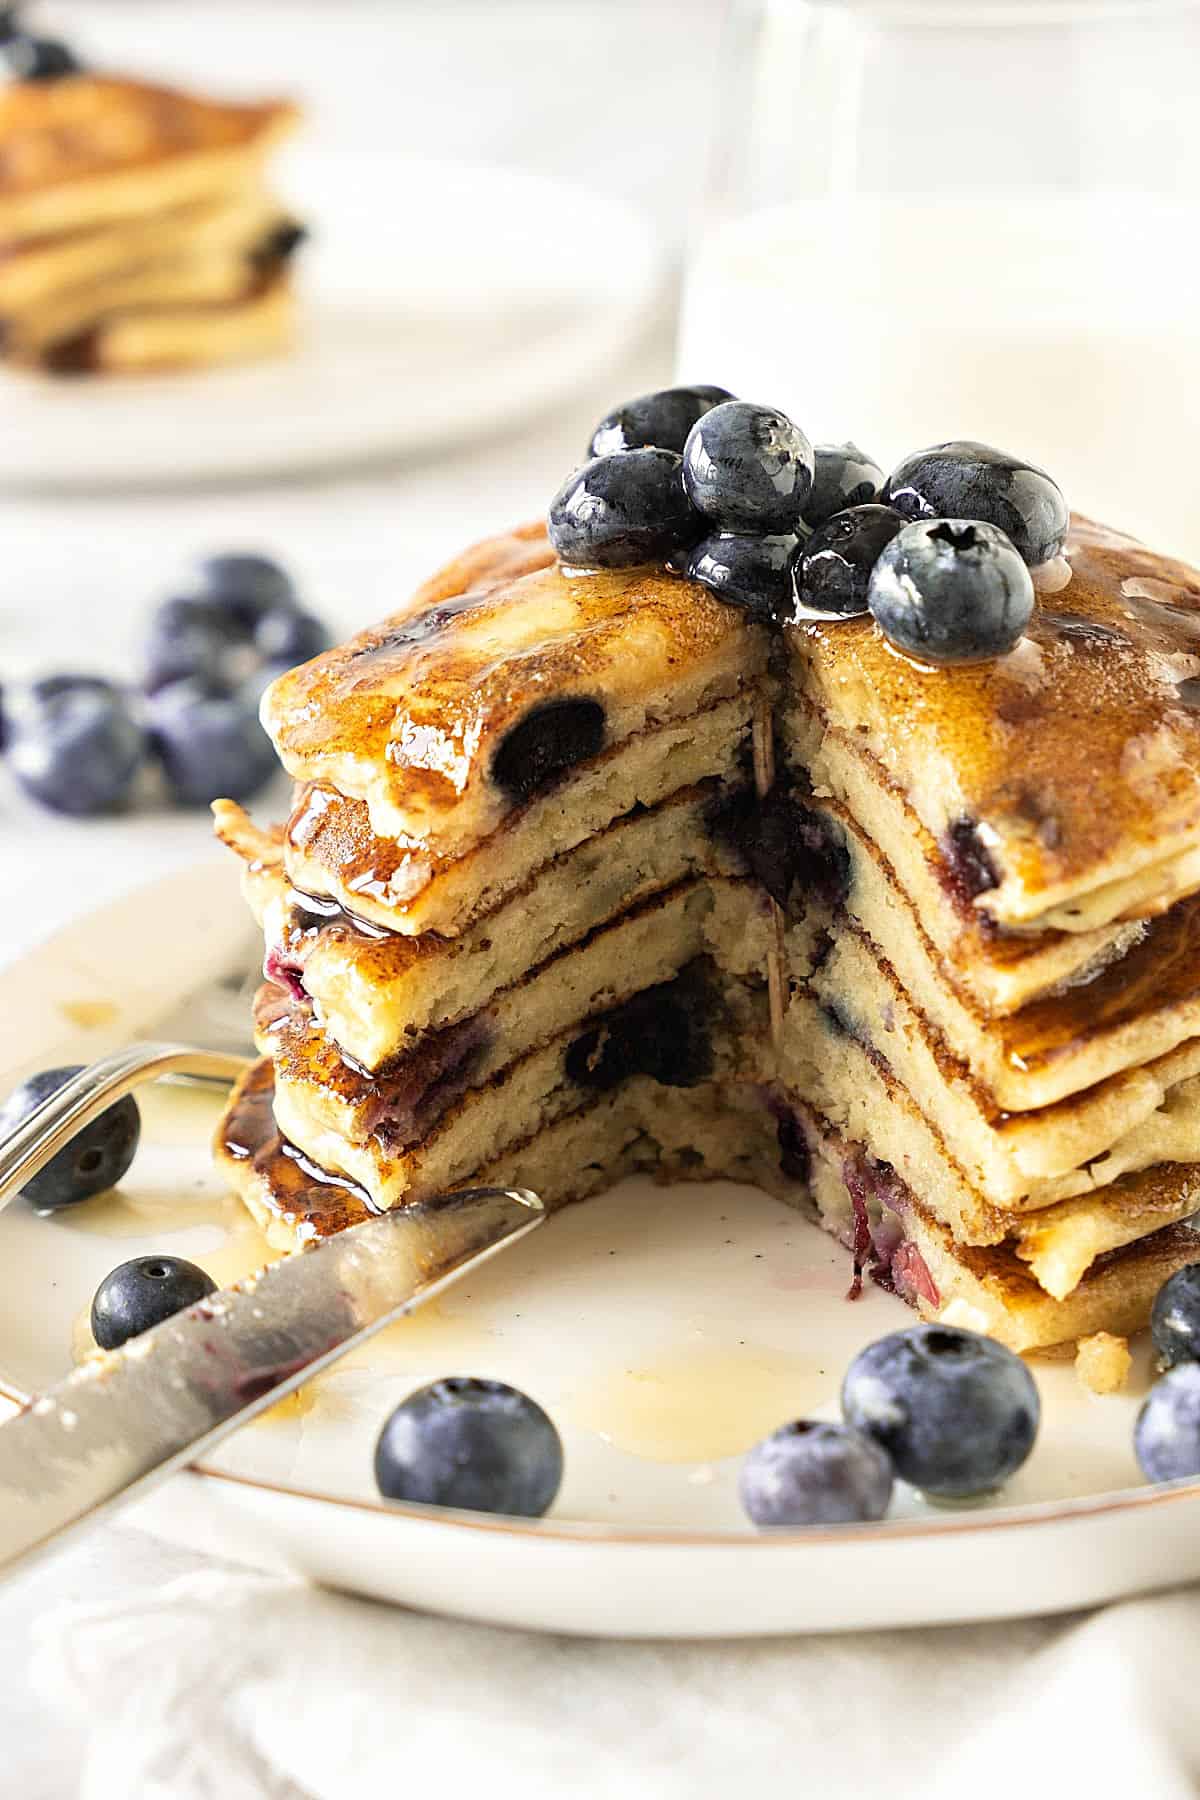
[(247, 585), (1175, 1319), (77, 748), (834, 568), (754, 573), (963, 480), (663, 1032), (956, 1412), (951, 592), (547, 742), (470, 1443), (662, 420), (748, 467), (624, 509), (38, 58), (287, 637), (843, 476), (1166, 1438), (815, 1474), (142, 1293), (210, 743), (95, 1159), (191, 638)]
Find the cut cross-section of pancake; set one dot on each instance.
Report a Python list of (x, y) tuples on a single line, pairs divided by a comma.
[(554, 831), (1002, 761)]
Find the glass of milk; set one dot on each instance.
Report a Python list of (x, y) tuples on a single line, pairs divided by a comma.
[(972, 218)]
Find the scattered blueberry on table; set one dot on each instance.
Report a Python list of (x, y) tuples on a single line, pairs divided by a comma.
[(77, 748), (142, 1293), (809, 1473), (470, 1443), (1166, 1438), (83, 745), (209, 742), (1175, 1318), (95, 1159), (957, 1412)]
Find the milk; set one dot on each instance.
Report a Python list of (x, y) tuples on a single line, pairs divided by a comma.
[(1060, 325)]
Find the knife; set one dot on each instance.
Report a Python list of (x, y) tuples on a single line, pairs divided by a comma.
[(130, 1417)]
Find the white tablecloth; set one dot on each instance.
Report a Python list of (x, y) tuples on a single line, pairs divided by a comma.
[(159, 1674), (226, 1685)]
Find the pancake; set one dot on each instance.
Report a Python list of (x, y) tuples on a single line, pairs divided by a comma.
[(721, 1130), (260, 322), (1001, 761), (465, 704), (1021, 1160), (212, 279), (379, 993), (330, 849), (37, 273), (78, 152), (427, 1124), (1000, 970), (534, 807), (136, 233)]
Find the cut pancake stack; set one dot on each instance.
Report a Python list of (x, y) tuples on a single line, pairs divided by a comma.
[(136, 229), (589, 874)]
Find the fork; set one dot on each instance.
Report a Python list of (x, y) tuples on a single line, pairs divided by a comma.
[(204, 1036), (85, 1096)]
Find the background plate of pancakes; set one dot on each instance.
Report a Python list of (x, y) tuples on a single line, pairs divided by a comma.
[(665, 1329), (437, 301)]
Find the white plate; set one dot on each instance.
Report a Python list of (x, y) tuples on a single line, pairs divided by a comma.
[(664, 1329), (440, 301)]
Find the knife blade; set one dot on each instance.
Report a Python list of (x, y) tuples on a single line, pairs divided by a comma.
[(131, 1417)]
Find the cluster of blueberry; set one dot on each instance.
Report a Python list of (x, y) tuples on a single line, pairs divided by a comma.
[(734, 496), (83, 745), (29, 56)]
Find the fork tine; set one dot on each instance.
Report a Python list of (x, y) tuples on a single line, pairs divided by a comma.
[(86, 1095)]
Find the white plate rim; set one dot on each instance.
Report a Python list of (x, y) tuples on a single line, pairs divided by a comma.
[(954, 1523), (473, 1532)]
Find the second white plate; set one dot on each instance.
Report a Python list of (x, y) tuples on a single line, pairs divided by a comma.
[(440, 302)]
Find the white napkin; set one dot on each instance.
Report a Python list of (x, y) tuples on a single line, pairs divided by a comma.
[(227, 1685)]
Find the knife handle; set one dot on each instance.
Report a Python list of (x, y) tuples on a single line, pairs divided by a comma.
[(85, 1096)]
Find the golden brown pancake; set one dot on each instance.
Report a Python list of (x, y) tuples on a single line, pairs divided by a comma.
[(952, 915)]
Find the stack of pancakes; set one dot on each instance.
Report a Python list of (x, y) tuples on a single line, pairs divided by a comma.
[(590, 873), (136, 229)]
